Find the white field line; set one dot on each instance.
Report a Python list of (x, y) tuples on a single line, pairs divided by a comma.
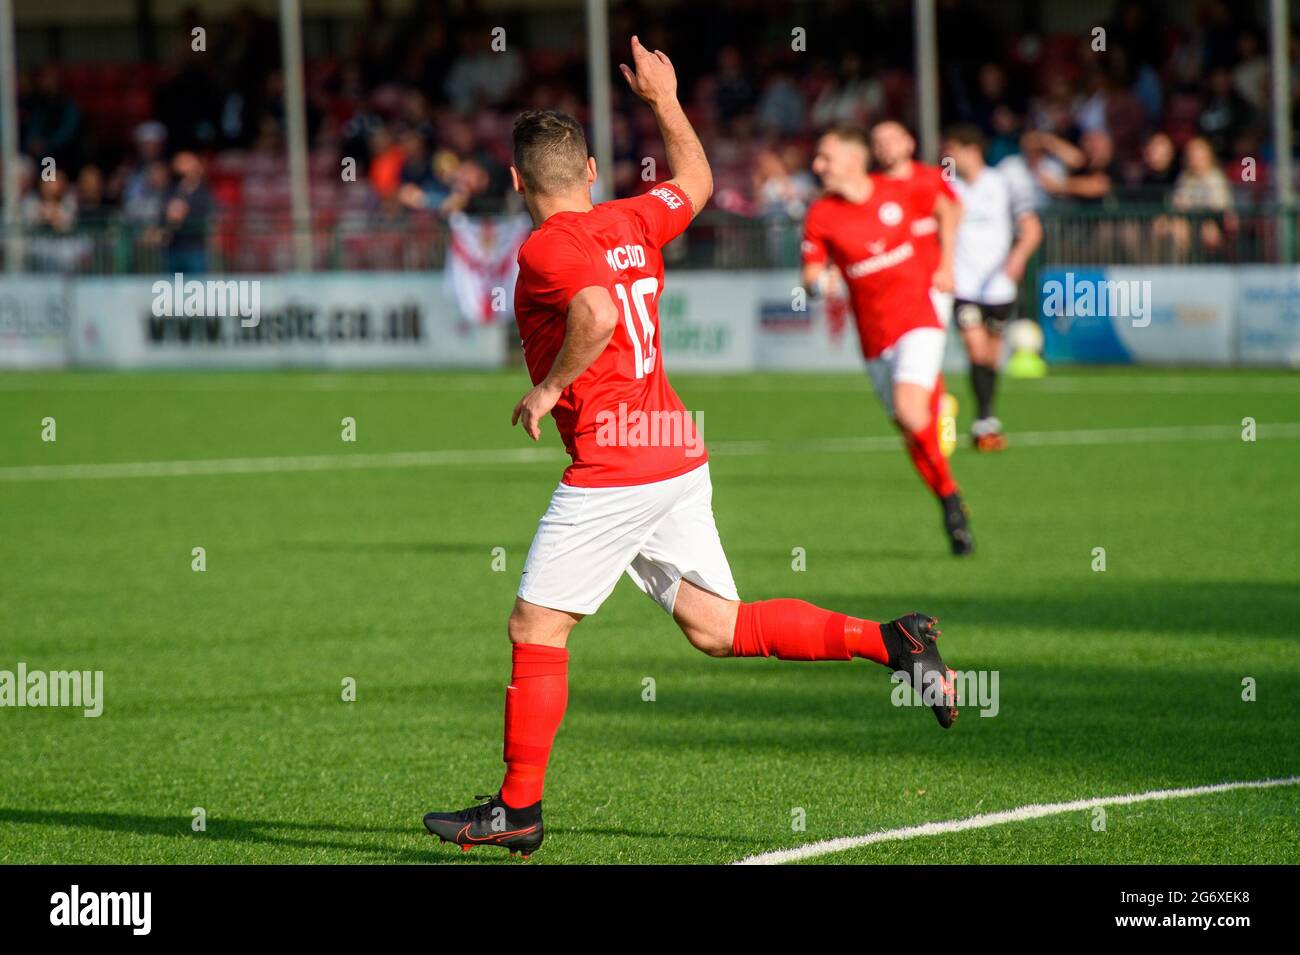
[(985, 820), (527, 455), (318, 462)]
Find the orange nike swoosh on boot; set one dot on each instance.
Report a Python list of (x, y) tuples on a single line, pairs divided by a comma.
[(464, 834)]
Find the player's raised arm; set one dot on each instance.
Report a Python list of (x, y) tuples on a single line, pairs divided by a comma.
[(652, 78), (588, 328)]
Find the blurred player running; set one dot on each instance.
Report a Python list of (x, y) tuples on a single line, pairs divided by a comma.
[(864, 227), (935, 205), (587, 307), (999, 232), (934, 234)]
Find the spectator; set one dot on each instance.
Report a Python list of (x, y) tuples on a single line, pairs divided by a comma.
[(1250, 75), (627, 157), (189, 104), (1159, 169), (142, 205), (52, 208), (1226, 113), (387, 159), (1201, 188), (1093, 180), (53, 125), (1150, 241), (1090, 109), (996, 113), (1048, 160), (130, 179), (469, 186), (781, 191), (733, 93), (1053, 110), (852, 97), (92, 205), (247, 56), (436, 102), (186, 215), (1201, 184), (782, 108), (480, 76)]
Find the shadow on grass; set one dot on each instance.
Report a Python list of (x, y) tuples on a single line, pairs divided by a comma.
[(268, 833), (1100, 602), (250, 831)]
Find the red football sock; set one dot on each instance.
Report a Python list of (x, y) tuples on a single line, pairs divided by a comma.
[(797, 630), (923, 447), (535, 701)]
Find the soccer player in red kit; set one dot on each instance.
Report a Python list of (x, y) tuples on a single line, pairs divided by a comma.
[(864, 227), (637, 497), (935, 205)]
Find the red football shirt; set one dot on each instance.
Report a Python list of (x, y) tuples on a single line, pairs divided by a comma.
[(925, 185), (872, 245), (620, 420)]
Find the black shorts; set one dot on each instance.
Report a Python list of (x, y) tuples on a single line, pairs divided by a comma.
[(970, 314)]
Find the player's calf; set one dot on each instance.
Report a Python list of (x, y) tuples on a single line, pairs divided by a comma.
[(792, 629), (530, 623), (707, 620)]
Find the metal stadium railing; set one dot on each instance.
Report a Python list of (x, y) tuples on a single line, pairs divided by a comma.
[(1073, 235), (1130, 234)]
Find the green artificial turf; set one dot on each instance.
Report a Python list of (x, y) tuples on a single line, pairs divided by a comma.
[(223, 688)]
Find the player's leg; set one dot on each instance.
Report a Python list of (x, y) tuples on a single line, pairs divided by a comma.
[(996, 318), (945, 404), (981, 333), (992, 361), (791, 629), (974, 335), (584, 542), (536, 699), (882, 370), (916, 395), (683, 567), (916, 413)]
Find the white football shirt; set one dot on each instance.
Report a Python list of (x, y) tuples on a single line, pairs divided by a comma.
[(990, 206)]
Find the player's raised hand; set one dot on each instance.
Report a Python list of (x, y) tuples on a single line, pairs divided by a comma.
[(533, 407), (651, 76)]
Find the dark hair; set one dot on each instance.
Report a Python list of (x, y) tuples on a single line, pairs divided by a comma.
[(964, 134), (550, 151), (894, 122), (848, 133)]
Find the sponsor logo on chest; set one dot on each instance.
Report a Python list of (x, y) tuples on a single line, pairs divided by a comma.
[(891, 213)]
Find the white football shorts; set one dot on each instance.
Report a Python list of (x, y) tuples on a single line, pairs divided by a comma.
[(916, 358), (659, 534)]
